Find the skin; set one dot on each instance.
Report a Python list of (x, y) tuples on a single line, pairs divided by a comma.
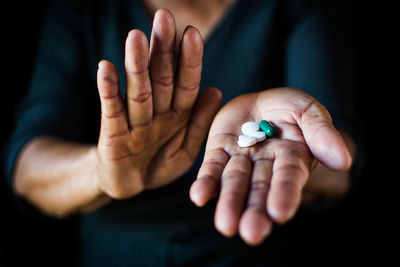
[(145, 142), (153, 137), (203, 14), (263, 184)]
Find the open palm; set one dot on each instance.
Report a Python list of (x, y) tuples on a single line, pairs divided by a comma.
[(262, 184), (154, 135)]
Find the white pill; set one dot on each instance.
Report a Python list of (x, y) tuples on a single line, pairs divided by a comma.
[(250, 127), (246, 141), (259, 136)]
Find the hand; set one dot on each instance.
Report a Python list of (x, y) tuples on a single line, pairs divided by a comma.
[(263, 184), (154, 136)]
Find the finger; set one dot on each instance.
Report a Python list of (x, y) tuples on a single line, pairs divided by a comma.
[(234, 186), (290, 173), (204, 110), (209, 176), (162, 60), (138, 92), (189, 70), (254, 224), (113, 116), (324, 141)]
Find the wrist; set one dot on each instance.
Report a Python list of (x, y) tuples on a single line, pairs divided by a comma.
[(98, 196), (93, 161)]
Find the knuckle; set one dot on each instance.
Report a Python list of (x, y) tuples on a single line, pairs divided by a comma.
[(193, 64), (298, 175), (315, 112), (290, 185), (111, 79), (213, 163), (163, 81), (208, 179), (233, 195), (107, 114), (260, 185), (115, 134), (235, 174), (189, 87), (140, 97), (289, 167), (130, 70)]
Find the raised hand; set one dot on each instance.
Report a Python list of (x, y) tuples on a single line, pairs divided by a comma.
[(154, 136), (263, 184)]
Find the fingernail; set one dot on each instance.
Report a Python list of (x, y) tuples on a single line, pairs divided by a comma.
[(195, 197), (188, 27), (100, 65)]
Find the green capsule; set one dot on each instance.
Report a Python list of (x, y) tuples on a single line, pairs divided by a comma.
[(268, 128)]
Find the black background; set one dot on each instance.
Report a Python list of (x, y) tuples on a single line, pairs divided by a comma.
[(358, 231)]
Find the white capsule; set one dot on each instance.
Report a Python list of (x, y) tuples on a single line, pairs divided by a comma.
[(246, 141), (259, 136), (250, 127)]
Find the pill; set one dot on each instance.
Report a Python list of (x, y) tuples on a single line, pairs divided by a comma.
[(268, 128), (246, 141), (250, 127), (259, 136)]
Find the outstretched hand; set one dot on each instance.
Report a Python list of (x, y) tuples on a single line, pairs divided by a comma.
[(263, 184), (154, 135)]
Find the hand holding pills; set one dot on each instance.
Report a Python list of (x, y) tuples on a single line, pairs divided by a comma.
[(259, 184)]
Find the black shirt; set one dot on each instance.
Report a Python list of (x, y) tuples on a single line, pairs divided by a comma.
[(258, 45)]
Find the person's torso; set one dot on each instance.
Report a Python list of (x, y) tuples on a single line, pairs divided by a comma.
[(244, 53)]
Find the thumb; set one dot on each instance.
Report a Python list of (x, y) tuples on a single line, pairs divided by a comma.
[(324, 141), (203, 113)]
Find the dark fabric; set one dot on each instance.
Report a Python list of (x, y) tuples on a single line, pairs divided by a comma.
[(258, 45)]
